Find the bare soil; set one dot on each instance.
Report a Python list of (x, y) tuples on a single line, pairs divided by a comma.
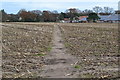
[(60, 50), (97, 47), (24, 47), (58, 63)]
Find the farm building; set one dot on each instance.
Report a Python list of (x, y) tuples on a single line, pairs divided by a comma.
[(110, 18)]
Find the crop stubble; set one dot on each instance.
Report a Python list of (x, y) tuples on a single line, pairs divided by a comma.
[(22, 45), (97, 46)]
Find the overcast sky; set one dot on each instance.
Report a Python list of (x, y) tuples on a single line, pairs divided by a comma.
[(13, 6)]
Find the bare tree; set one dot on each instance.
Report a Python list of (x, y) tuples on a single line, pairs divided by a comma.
[(20, 11), (97, 9), (55, 12), (72, 12), (4, 16), (108, 10), (27, 16), (38, 12), (46, 16), (87, 11)]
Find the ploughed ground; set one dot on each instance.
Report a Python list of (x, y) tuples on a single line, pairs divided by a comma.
[(96, 45), (59, 64), (24, 48), (59, 50)]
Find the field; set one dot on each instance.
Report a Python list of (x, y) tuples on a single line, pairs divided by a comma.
[(96, 45), (26, 46)]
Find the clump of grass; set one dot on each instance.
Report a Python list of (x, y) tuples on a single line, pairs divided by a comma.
[(42, 49), (77, 66), (40, 54), (49, 49), (67, 44), (87, 75)]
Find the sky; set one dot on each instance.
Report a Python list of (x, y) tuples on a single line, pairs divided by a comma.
[(13, 6)]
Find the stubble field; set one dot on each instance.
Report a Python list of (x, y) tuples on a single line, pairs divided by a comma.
[(97, 46), (26, 44)]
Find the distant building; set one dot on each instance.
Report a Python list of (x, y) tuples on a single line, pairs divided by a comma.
[(83, 19), (115, 18), (66, 20), (103, 18)]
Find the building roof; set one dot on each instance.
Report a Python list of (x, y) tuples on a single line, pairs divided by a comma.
[(66, 19), (103, 17), (114, 17), (110, 17), (83, 18)]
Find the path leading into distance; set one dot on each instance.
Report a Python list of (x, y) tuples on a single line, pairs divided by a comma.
[(58, 63)]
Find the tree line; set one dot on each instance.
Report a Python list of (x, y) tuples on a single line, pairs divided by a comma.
[(53, 16)]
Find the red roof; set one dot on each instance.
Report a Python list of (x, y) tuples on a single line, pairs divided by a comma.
[(66, 19), (81, 17)]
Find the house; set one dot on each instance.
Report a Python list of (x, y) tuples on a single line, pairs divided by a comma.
[(66, 20), (110, 18), (83, 19)]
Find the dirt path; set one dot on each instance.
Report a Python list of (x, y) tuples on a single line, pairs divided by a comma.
[(59, 64)]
